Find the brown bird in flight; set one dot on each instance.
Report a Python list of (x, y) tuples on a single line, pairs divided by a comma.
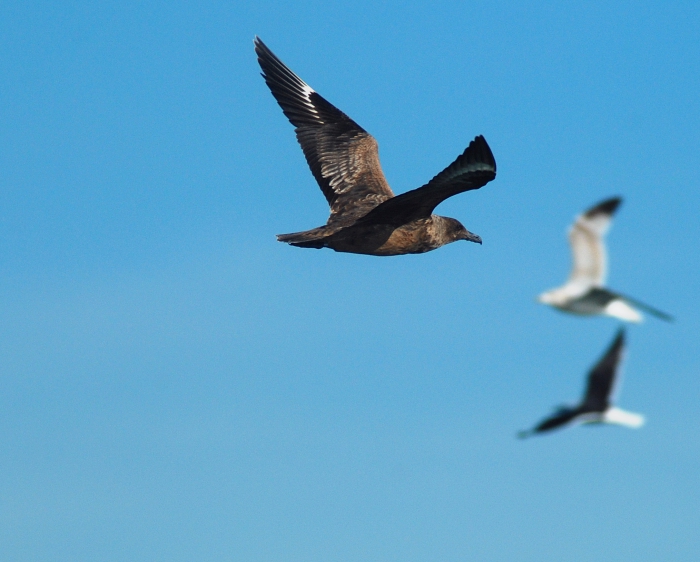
[(366, 217)]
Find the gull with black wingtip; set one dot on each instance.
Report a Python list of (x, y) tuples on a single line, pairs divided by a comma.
[(597, 403), (585, 292)]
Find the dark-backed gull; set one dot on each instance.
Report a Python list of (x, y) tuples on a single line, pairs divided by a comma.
[(366, 217), (596, 405)]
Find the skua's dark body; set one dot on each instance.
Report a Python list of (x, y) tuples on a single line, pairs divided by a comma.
[(366, 217)]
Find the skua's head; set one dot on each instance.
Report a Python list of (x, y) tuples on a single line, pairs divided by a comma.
[(455, 231)]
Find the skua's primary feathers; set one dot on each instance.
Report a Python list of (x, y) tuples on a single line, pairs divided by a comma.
[(585, 292), (596, 405), (366, 217)]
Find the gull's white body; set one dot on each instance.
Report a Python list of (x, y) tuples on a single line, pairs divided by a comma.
[(613, 415), (585, 292)]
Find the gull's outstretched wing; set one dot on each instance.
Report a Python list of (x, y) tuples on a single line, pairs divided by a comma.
[(473, 169), (602, 377), (650, 309), (588, 246), (563, 416), (624, 305), (343, 157)]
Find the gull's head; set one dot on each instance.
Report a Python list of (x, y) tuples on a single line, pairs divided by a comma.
[(546, 298), (555, 297)]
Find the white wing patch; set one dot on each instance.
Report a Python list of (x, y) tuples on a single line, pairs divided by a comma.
[(306, 91)]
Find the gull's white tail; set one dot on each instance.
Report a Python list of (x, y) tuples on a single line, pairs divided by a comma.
[(623, 417), (618, 308)]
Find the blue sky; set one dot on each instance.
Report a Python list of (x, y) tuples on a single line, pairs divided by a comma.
[(177, 385)]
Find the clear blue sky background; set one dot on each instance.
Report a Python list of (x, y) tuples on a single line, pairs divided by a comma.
[(177, 385)]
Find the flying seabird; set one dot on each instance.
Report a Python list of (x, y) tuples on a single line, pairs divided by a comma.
[(584, 292), (596, 405), (366, 217)]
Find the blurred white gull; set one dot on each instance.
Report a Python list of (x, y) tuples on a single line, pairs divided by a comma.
[(596, 405), (585, 292)]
